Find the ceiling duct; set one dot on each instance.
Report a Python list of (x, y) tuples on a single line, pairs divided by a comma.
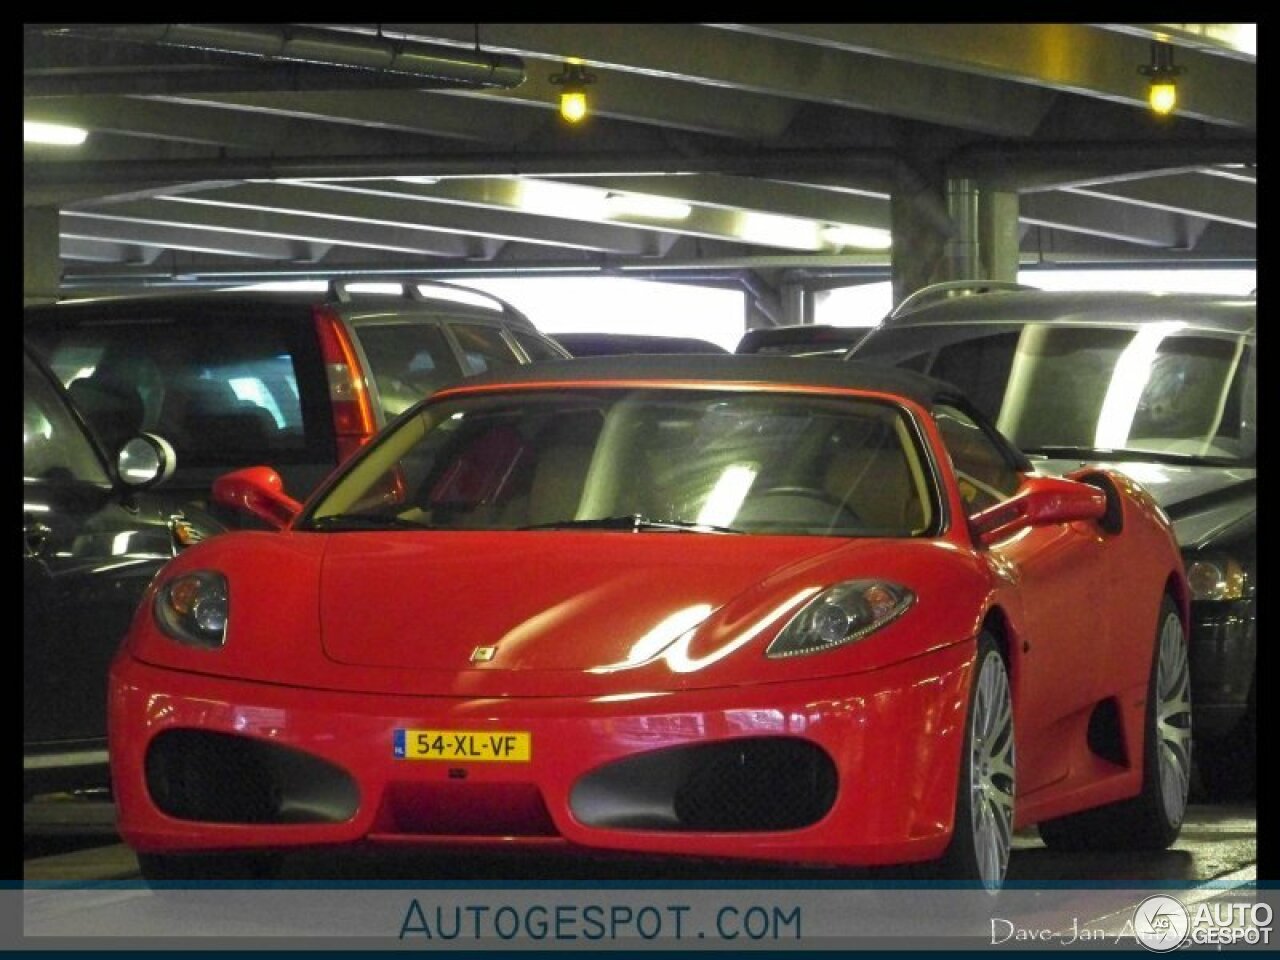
[(271, 42)]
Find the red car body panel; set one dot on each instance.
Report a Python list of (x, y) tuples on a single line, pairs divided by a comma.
[(337, 640), (904, 722)]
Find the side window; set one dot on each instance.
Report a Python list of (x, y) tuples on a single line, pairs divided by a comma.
[(53, 445), (984, 475), (221, 387), (536, 347), (407, 362), (1193, 393), (483, 348), (980, 367)]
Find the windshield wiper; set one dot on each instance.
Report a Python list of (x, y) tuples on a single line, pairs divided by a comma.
[(1096, 454), (631, 521), (365, 521)]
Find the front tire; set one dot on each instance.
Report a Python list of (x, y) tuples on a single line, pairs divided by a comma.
[(1152, 819), (983, 833)]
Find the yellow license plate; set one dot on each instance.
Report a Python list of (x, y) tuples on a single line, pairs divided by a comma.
[(463, 746)]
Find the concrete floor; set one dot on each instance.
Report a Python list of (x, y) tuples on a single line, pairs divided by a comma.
[(72, 848), (71, 840)]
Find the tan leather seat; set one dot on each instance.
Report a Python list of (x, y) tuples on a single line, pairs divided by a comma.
[(877, 486), (558, 482)]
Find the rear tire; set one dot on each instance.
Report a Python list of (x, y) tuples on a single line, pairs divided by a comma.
[(983, 833), (1152, 819), (172, 868)]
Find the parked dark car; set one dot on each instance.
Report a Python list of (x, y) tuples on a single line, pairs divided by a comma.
[(298, 381), (608, 344), (1164, 386), (93, 535), (802, 340)]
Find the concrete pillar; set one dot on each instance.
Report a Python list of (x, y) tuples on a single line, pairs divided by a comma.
[(918, 219), (41, 268), (961, 257), (763, 302), (984, 245), (753, 316), (999, 235), (951, 229), (793, 300)]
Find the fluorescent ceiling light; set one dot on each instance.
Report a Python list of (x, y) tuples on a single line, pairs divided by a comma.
[(866, 238), (770, 230), (55, 133), (1242, 37), (646, 205), (435, 291), (373, 286), (562, 199)]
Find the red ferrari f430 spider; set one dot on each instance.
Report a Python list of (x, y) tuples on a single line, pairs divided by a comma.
[(712, 606)]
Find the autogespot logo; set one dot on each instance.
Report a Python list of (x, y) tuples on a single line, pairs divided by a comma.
[(1161, 923)]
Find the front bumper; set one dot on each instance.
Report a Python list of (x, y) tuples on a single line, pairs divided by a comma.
[(1223, 661), (890, 739)]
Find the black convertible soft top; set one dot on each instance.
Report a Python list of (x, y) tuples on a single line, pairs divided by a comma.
[(729, 368)]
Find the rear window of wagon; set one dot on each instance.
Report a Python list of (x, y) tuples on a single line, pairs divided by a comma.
[(220, 388)]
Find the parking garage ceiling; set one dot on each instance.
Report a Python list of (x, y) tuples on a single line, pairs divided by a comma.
[(224, 152)]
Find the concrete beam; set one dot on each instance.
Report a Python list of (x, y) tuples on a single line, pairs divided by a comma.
[(702, 54), (1100, 218), (41, 269), (328, 202), (223, 239), (200, 227), (1194, 194), (1072, 57)]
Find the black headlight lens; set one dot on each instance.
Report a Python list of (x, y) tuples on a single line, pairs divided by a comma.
[(841, 614), (194, 609)]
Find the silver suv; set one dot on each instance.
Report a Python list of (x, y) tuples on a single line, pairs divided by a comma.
[(1162, 386), (295, 381)]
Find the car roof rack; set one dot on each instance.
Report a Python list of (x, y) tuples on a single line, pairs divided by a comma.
[(952, 288), (412, 290)]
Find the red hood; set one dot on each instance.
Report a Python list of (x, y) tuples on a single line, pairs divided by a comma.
[(559, 601), (567, 613)]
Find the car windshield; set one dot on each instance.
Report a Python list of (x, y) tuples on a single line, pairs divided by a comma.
[(647, 459), (54, 447), (1153, 391)]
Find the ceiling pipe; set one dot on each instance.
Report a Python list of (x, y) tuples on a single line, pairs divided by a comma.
[(727, 270), (873, 169), (273, 42), (162, 81)]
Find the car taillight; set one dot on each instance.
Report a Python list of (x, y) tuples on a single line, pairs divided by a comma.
[(353, 418)]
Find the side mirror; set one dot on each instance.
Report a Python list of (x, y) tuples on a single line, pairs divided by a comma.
[(146, 460), (1041, 501), (258, 491)]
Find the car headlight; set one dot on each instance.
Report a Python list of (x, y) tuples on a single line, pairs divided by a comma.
[(1215, 576), (846, 612), (193, 609)]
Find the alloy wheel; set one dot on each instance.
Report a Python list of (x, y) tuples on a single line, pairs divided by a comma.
[(991, 771), (1173, 720)]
